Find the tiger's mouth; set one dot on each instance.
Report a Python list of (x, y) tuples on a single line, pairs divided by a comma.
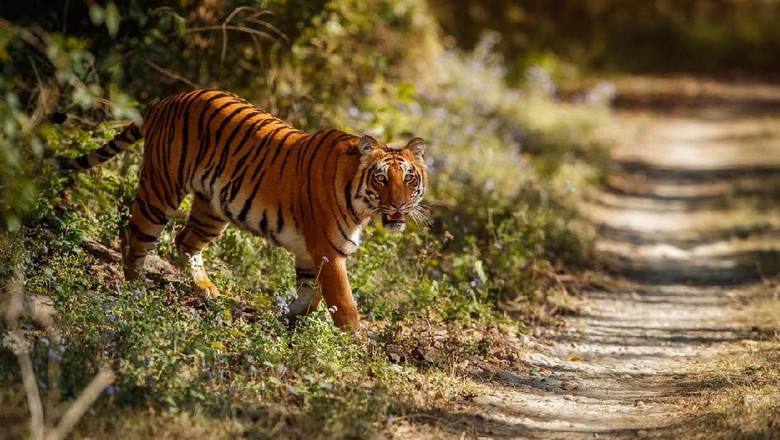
[(395, 222)]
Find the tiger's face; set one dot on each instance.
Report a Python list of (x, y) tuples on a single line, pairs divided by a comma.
[(394, 181)]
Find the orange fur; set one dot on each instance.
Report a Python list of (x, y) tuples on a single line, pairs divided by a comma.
[(310, 193)]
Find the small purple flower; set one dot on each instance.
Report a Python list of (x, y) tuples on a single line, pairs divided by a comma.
[(111, 317), (44, 340), (112, 389), (252, 369), (137, 293), (282, 305), (54, 355), (106, 306), (292, 390)]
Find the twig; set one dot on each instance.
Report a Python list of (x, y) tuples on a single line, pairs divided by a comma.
[(169, 73), (76, 410), (21, 348), (53, 396), (227, 28), (33, 397)]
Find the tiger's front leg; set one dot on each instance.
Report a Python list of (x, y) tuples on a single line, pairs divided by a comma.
[(337, 293), (309, 295), (329, 280)]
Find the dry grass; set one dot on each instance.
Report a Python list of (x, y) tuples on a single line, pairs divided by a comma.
[(740, 398)]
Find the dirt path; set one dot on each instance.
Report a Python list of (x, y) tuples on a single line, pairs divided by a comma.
[(688, 228)]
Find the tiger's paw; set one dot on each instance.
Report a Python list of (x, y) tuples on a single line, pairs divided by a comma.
[(205, 289)]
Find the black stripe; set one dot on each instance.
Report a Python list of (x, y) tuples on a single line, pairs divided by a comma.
[(230, 191), (339, 205), (194, 221), (337, 249), (255, 129), (162, 150), (308, 170), (203, 129), (264, 223), (284, 162), (302, 151), (147, 211), (215, 218), (279, 219), (226, 121), (185, 137), (265, 143), (205, 141), (219, 168), (281, 145), (343, 233), (348, 198), (294, 217), (140, 235), (243, 161), (304, 273)]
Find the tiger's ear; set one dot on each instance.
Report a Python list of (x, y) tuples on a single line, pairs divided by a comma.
[(367, 144), (417, 147)]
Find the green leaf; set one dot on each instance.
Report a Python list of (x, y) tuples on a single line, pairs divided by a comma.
[(234, 332), (112, 18), (97, 14), (406, 92), (480, 270)]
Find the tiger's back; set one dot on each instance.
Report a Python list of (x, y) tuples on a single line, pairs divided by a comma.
[(310, 193)]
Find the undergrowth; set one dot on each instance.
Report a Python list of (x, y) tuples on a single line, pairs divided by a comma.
[(507, 167)]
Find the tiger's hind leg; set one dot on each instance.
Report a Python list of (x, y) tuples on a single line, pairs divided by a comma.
[(204, 225), (148, 216)]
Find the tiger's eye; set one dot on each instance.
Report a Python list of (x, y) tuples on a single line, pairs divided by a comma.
[(380, 179), (410, 178)]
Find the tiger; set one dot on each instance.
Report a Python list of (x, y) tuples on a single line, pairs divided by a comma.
[(311, 194)]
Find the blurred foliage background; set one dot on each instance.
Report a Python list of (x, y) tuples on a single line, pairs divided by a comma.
[(721, 37), (509, 158)]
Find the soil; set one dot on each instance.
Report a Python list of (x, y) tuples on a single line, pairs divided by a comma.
[(689, 230)]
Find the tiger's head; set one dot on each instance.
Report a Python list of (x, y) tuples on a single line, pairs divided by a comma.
[(393, 181)]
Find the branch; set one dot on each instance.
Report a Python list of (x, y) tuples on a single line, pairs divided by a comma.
[(77, 409)]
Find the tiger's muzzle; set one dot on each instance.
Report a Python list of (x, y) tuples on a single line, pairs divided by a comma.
[(394, 222)]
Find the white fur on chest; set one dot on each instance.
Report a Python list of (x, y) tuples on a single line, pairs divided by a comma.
[(292, 240)]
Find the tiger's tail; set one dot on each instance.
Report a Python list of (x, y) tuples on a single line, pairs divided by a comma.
[(130, 135)]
